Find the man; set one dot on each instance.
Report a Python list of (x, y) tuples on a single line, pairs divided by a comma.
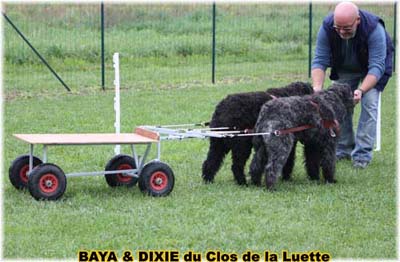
[(355, 44)]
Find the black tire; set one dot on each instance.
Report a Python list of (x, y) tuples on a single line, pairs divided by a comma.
[(156, 179), (47, 182), (120, 162), (19, 169)]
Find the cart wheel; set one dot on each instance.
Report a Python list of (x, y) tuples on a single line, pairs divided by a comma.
[(120, 162), (47, 182), (19, 169), (156, 179)]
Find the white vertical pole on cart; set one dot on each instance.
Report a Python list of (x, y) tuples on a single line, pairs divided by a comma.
[(378, 126), (117, 123)]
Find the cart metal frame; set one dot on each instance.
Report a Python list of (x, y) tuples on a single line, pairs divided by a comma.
[(47, 140)]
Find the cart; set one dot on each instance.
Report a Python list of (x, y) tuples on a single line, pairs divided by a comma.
[(47, 181)]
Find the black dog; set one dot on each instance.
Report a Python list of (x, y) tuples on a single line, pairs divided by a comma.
[(313, 120), (240, 112)]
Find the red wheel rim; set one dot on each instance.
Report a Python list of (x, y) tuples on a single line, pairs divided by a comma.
[(23, 173), (48, 183), (159, 180), (124, 178)]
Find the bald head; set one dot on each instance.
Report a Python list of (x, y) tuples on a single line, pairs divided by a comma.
[(345, 12), (346, 19)]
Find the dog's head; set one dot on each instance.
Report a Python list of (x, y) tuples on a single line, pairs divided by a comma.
[(301, 88), (335, 101), (345, 93), (292, 89)]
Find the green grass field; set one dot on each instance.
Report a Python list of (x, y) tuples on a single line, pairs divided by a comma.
[(355, 218)]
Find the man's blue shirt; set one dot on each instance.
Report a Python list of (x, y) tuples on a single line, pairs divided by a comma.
[(376, 49)]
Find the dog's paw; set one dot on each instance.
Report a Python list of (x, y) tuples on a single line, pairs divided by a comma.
[(256, 182), (271, 181), (208, 180), (331, 181), (242, 182)]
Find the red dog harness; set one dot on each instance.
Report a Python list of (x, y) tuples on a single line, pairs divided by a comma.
[(332, 125)]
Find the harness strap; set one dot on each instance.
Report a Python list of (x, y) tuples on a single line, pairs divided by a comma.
[(332, 125), (292, 130)]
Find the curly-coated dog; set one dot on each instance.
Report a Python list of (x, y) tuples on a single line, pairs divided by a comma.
[(313, 120), (240, 112)]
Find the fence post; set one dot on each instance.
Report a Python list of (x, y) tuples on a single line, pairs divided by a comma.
[(36, 52), (213, 44), (102, 46), (309, 38), (394, 35)]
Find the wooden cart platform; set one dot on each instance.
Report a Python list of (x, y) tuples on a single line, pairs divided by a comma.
[(141, 136), (48, 181)]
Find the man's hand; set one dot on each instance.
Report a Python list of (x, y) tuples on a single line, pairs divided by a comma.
[(318, 76), (368, 83), (357, 96)]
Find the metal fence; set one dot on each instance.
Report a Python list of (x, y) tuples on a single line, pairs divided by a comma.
[(187, 42)]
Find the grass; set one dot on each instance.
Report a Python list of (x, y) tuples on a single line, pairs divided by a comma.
[(355, 218)]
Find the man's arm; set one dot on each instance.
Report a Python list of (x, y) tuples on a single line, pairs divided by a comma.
[(376, 61), (318, 78), (321, 60)]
